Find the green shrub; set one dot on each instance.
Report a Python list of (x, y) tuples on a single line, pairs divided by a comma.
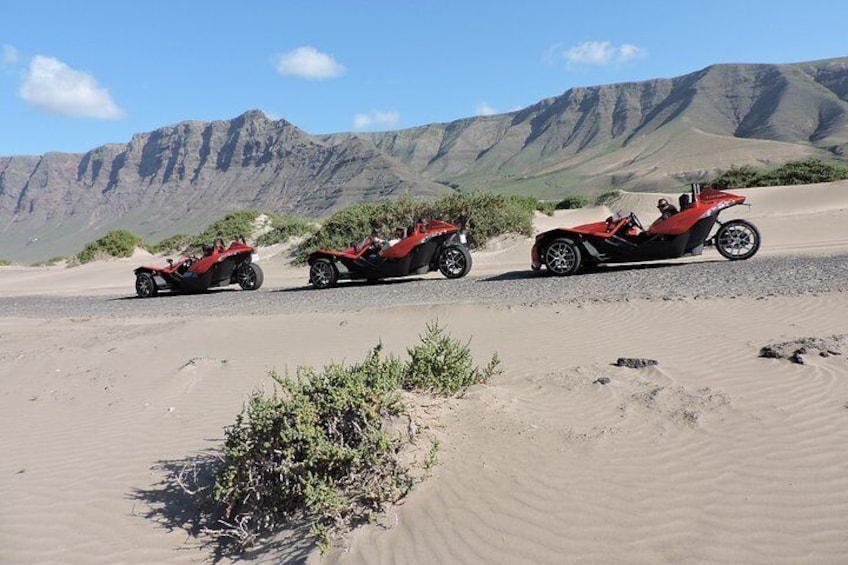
[(116, 243), (572, 202), (317, 446), (5, 263), (443, 365), (284, 228), (806, 171), (532, 204), (50, 262), (485, 215), (172, 244), (230, 227), (743, 176), (235, 225), (606, 197), (326, 446)]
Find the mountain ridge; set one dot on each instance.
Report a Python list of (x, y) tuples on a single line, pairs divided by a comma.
[(656, 134)]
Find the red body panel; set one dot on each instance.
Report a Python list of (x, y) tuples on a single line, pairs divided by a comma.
[(709, 201), (203, 264), (421, 233)]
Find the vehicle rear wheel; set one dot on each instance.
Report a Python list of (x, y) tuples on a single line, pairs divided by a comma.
[(250, 276), (454, 261), (562, 256), (323, 273), (145, 286), (737, 240)]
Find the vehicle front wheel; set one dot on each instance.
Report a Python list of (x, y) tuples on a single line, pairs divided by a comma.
[(737, 240), (454, 261), (250, 276), (562, 256), (145, 286), (323, 273)]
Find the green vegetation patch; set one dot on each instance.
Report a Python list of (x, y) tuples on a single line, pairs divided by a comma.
[(331, 448), (172, 244), (116, 243), (806, 171), (5, 263), (239, 224), (284, 228), (607, 197), (232, 226), (572, 202)]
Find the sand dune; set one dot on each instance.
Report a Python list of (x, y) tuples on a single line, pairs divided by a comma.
[(714, 455)]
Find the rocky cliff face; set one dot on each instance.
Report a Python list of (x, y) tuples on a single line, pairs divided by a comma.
[(179, 178)]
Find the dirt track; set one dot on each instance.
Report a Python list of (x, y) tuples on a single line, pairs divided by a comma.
[(759, 277)]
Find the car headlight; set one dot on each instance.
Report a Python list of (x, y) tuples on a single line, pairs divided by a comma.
[(463, 239), (254, 257)]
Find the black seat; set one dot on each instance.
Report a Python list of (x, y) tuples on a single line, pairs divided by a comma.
[(685, 201)]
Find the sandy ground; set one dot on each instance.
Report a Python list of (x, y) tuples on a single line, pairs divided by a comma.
[(712, 456)]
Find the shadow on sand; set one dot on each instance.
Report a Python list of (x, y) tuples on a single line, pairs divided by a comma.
[(182, 500)]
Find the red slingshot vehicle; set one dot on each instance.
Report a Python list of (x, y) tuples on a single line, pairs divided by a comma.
[(621, 238), (424, 247), (218, 266)]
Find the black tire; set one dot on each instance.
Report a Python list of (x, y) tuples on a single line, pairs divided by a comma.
[(323, 273), (145, 286), (563, 257), (250, 276), (737, 240), (454, 261)]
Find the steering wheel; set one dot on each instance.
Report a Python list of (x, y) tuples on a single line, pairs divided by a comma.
[(635, 221)]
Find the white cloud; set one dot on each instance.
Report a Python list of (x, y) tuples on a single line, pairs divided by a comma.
[(485, 109), (597, 53), (375, 119), (10, 55), (308, 62), (53, 86)]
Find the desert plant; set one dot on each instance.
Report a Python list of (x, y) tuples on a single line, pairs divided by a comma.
[(284, 228), (605, 198), (743, 176), (5, 263), (324, 446), (805, 171), (441, 364), (572, 201), (50, 262), (229, 227), (318, 446), (116, 243), (171, 244), (485, 216), (532, 204)]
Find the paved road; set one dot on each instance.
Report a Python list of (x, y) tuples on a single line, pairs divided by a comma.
[(758, 277)]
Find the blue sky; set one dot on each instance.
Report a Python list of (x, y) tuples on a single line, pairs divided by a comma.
[(77, 75)]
